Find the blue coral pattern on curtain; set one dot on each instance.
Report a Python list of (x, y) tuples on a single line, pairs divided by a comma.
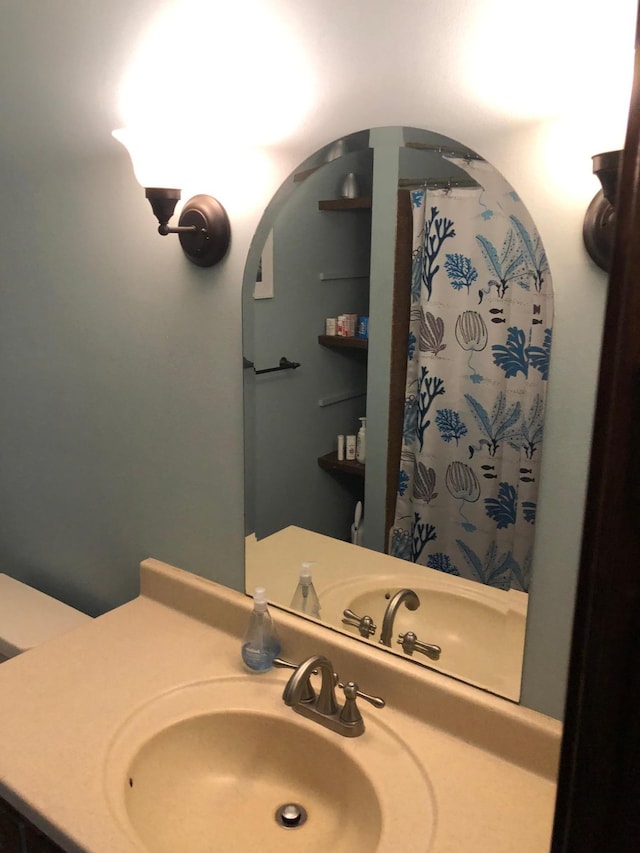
[(478, 362)]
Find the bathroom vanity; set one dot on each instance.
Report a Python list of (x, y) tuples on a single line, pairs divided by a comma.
[(118, 734)]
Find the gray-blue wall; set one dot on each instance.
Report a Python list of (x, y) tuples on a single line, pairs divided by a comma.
[(293, 428), (119, 425)]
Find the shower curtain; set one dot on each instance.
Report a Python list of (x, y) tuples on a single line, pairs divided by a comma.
[(478, 361)]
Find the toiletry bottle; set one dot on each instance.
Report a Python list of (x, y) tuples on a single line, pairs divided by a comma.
[(350, 447), (305, 598), (260, 645), (362, 440)]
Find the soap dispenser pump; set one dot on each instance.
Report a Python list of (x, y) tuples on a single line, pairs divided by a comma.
[(260, 645), (305, 598)]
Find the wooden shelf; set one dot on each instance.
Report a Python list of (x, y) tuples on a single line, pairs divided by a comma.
[(362, 203), (330, 462), (302, 176), (340, 342)]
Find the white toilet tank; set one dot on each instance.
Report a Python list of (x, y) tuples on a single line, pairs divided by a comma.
[(28, 617)]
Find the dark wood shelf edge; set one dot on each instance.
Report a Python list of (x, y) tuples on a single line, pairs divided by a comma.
[(340, 342), (302, 176), (330, 462), (362, 203)]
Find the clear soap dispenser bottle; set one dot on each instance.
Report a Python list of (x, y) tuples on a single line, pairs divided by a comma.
[(260, 645), (305, 598)]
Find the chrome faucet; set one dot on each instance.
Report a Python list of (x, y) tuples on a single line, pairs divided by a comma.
[(346, 720), (403, 596)]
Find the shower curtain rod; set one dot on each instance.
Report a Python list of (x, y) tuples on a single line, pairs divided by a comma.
[(447, 152), (437, 183)]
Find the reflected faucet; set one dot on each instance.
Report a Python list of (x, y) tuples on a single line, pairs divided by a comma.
[(410, 644), (365, 624), (403, 596)]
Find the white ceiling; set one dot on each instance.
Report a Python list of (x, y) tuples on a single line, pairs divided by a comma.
[(62, 63)]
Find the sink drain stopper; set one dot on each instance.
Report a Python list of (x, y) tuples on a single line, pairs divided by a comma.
[(291, 815)]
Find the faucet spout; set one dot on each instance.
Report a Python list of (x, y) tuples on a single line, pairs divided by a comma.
[(403, 596), (296, 687)]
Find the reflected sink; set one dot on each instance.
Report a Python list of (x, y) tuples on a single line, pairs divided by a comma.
[(480, 629), (207, 766)]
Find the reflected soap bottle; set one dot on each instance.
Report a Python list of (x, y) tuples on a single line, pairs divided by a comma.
[(305, 598), (260, 644)]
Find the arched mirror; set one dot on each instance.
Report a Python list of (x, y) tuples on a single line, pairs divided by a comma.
[(397, 296)]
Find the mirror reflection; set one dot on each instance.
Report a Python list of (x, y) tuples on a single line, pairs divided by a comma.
[(397, 331)]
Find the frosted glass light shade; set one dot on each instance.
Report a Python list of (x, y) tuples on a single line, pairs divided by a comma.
[(155, 156), (203, 228)]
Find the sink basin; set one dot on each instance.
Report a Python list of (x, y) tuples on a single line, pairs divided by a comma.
[(481, 630), (207, 766)]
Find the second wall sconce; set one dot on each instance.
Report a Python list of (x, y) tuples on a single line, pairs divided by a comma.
[(203, 227), (600, 219)]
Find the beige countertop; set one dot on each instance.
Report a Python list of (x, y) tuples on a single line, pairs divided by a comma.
[(491, 763)]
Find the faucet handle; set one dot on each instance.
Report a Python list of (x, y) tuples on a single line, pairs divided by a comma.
[(284, 664), (352, 692), (350, 715), (410, 644), (365, 624)]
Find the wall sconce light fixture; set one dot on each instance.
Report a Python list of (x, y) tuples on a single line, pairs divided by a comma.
[(203, 227), (600, 219)]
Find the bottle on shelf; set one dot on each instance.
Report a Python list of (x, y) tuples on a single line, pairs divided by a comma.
[(350, 447), (260, 644), (305, 598), (361, 441)]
